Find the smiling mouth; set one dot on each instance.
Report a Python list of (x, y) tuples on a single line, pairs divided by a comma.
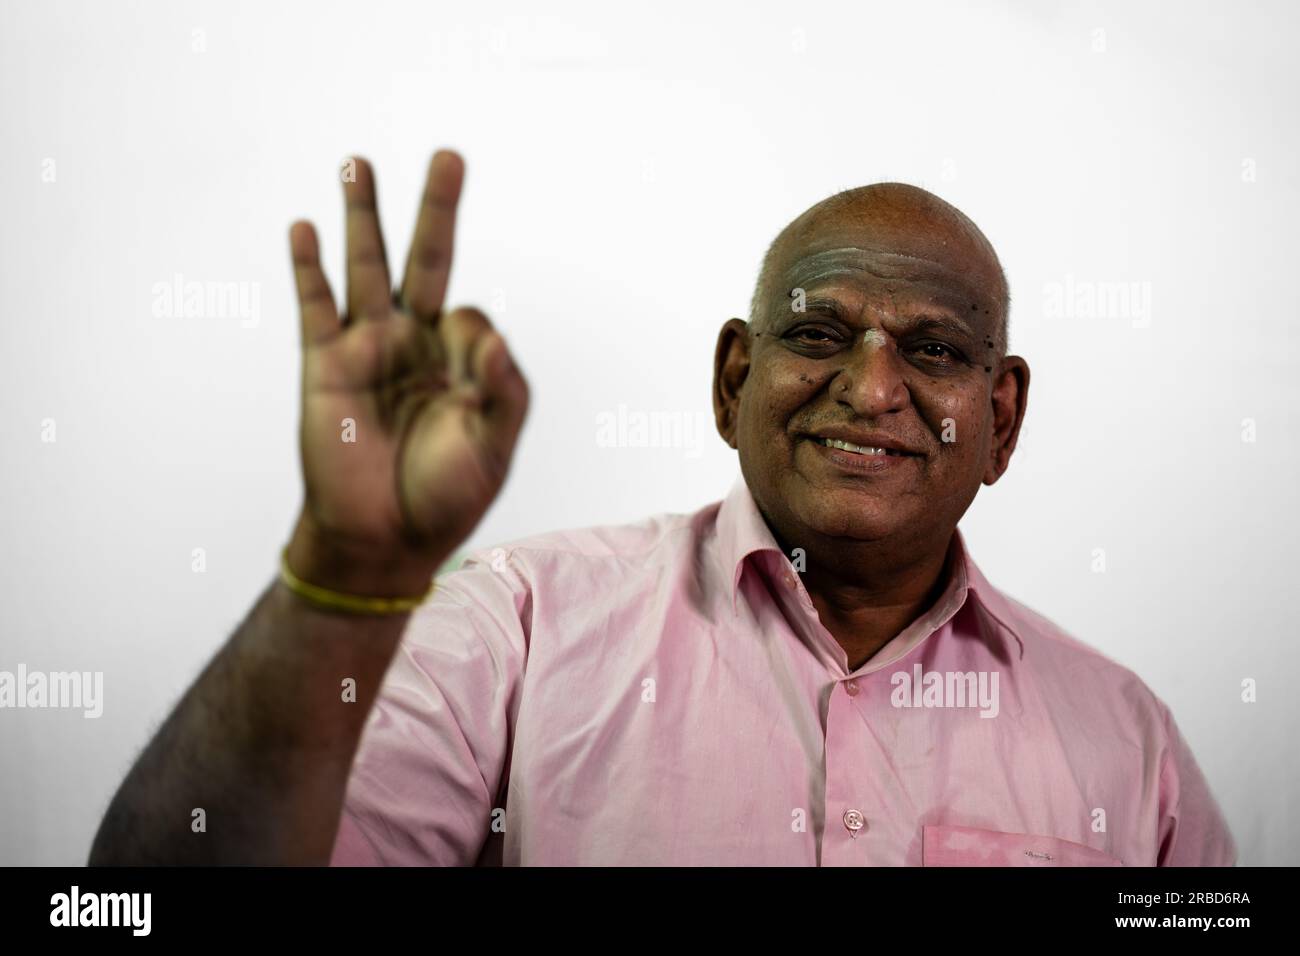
[(862, 449)]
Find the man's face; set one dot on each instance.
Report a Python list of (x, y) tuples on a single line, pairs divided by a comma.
[(896, 347)]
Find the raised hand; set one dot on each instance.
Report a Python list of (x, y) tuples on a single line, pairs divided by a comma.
[(409, 414)]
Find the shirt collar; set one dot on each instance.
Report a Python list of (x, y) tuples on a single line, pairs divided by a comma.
[(742, 531)]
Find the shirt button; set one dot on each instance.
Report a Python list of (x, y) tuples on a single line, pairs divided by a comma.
[(854, 821), (789, 581), (851, 688)]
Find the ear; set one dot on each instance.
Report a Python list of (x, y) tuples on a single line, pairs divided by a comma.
[(730, 368), (1010, 399)]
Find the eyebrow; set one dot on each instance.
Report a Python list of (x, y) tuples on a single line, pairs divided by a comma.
[(919, 322), (939, 323)]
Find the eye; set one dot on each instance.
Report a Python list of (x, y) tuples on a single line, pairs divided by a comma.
[(951, 352), (813, 336)]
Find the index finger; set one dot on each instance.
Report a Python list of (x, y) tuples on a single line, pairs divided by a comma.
[(428, 266)]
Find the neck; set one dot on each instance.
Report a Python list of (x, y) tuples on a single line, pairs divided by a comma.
[(867, 592)]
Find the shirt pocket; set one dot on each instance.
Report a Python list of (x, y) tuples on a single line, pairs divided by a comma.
[(972, 846)]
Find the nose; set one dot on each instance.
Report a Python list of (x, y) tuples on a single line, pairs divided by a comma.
[(871, 380)]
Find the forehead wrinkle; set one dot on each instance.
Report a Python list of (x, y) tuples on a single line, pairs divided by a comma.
[(852, 259), (946, 293)]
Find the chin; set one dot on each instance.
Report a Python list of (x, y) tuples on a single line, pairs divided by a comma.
[(853, 515)]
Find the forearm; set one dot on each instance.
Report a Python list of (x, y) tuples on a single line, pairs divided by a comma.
[(262, 743)]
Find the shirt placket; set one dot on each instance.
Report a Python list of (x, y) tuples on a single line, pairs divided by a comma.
[(847, 839), (846, 831)]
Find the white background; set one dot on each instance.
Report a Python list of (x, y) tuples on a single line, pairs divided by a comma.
[(626, 171)]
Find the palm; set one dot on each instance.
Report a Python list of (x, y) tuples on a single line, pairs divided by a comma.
[(409, 415)]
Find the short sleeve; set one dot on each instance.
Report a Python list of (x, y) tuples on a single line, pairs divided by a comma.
[(1193, 831), (435, 750)]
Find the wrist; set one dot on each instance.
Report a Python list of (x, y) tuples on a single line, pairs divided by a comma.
[(359, 568)]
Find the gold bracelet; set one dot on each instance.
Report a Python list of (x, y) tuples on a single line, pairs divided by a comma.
[(337, 601)]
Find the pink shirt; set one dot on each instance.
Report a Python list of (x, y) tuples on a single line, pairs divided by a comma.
[(663, 693)]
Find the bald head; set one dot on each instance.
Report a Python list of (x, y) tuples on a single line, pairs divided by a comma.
[(893, 230)]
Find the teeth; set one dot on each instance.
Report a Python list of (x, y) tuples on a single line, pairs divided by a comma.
[(858, 449)]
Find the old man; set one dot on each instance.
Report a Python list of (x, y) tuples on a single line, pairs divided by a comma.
[(812, 671)]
